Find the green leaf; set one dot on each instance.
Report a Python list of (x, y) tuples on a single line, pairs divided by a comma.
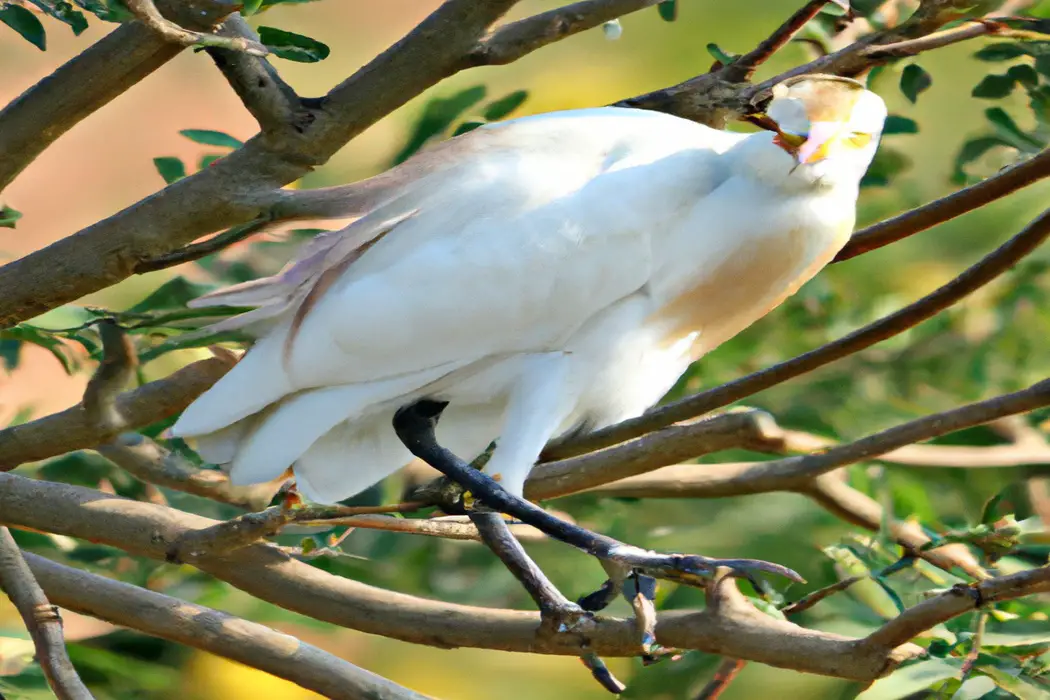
[(42, 338), (1024, 75), (989, 514), (1007, 129), (173, 294), (10, 353), (896, 124), (211, 138), (994, 53), (106, 10), (994, 87), (914, 81), (723, 57), (438, 115), (206, 161), (8, 217), (25, 23), (293, 47), (63, 12), (668, 10), (250, 7), (971, 151), (498, 109), (911, 679), (171, 169), (887, 164), (467, 126)]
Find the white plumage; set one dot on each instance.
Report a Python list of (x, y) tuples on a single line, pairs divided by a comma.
[(538, 274)]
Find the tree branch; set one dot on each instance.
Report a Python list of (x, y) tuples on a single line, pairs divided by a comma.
[(958, 600), (512, 41), (745, 66), (972, 279), (41, 619), (1005, 182), (71, 429), (147, 13), (91, 80), (213, 631), (145, 529), (149, 462)]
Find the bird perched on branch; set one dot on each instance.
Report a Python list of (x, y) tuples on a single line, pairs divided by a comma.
[(541, 275)]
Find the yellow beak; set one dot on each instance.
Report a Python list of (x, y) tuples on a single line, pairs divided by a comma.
[(822, 137)]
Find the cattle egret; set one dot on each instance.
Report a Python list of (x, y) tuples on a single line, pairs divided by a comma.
[(545, 274)]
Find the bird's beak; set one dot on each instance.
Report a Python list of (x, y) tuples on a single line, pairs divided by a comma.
[(822, 136)]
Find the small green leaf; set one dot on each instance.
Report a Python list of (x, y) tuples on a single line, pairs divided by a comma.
[(171, 169), (25, 23), (994, 87), (989, 514), (888, 163), (994, 53), (43, 338), (971, 151), (1024, 75), (173, 294), (914, 80), (721, 56), (8, 217), (211, 138), (293, 47), (896, 124), (498, 109), (206, 161), (250, 7), (1007, 129), (468, 125), (668, 10), (63, 12), (438, 115), (10, 353)]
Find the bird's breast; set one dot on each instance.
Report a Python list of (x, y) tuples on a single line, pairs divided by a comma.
[(729, 295)]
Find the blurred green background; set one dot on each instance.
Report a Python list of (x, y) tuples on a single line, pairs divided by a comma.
[(993, 343)]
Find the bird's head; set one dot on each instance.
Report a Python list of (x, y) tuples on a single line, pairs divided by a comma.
[(829, 126)]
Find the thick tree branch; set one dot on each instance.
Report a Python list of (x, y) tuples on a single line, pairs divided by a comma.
[(91, 80), (71, 429), (213, 631), (274, 104), (972, 279), (41, 619), (512, 41), (144, 529)]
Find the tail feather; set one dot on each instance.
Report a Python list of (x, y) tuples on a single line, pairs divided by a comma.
[(350, 458)]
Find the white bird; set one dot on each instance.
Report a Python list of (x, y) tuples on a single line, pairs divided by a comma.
[(540, 275)]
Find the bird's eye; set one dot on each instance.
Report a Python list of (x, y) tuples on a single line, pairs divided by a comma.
[(859, 139)]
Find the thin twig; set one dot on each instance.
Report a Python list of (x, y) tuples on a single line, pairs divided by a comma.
[(973, 278), (213, 631), (1003, 183), (745, 66), (724, 675), (114, 373), (447, 527), (41, 619), (196, 251), (958, 600), (147, 13), (251, 527)]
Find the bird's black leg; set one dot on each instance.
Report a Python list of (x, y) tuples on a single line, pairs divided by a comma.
[(415, 426), (558, 613)]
